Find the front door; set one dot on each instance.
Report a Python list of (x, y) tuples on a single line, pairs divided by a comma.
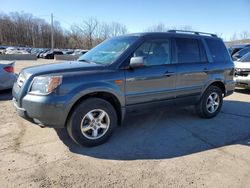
[(155, 81)]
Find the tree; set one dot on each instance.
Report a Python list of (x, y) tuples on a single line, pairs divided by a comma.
[(89, 28), (244, 35), (160, 27)]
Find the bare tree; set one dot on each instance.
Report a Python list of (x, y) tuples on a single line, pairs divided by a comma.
[(244, 35), (117, 29), (113, 29), (220, 35), (234, 37), (160, 27), (89, 28), (184, 27)]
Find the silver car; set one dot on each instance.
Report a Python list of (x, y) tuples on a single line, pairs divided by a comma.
[(242, 71), (7, 75)]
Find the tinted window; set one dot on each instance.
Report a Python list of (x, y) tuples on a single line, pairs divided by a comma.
[(217, 50), (155, 52), (187, 50), (244, 51), (245, 58)]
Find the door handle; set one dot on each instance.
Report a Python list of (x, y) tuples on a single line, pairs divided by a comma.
[(168, 74)]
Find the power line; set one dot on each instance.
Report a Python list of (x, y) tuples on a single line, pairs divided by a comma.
[(62, 20)]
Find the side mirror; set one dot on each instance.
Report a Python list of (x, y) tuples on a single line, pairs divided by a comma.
[(136, 62)]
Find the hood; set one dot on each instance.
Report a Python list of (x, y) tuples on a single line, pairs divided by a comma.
[(242, 65), (61, 67)]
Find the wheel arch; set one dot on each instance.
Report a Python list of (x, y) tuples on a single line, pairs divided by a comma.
[(105, 95), (219, 83)]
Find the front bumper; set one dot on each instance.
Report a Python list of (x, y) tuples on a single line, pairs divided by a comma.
[(229, 86), (42, 110)]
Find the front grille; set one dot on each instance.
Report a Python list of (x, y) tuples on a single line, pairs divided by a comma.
[(20, 80), (239, 72)]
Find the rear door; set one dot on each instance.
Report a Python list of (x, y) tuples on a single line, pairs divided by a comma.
[(192, 66), (156, 80)]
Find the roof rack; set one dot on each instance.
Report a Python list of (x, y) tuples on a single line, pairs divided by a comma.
[(193, 32)]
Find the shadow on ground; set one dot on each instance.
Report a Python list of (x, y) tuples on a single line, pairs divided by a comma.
[(5, 95), (169, 133), (242, 90)]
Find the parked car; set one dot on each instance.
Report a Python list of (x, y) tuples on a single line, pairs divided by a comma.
[(7, 75), (15, 50), (2, 49), (40, 55), (79, 52), (236, 48), (242, 71), (91, 96), (68, 52), (51, 54), (240, 53)]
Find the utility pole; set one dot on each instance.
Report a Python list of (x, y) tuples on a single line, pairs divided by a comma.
[(33, 37), (52, 33)]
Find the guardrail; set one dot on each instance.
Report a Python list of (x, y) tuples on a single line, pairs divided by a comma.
[(17, 57), (66, 57)]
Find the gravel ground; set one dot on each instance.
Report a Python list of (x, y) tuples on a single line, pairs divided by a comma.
[(162, 148)]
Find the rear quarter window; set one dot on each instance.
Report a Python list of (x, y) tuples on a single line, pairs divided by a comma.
[(218, 50)]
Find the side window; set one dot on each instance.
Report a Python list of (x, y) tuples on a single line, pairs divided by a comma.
[(187, 50), (155, 52), (217, 50)]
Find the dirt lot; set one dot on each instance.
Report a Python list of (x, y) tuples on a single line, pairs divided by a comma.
[(162, 148)]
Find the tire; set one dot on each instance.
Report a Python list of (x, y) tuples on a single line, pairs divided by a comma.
[(84, 127), (204, 108)]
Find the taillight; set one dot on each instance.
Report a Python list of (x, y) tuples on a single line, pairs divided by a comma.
[(9, 69)]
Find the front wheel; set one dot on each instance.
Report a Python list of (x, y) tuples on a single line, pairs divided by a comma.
[(92, 122), (211, 102)]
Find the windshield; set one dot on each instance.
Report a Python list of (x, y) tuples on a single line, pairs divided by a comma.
[(108, 51), (244, 51), (245, 58)]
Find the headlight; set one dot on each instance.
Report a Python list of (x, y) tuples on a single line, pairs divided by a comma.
[(45, 84)]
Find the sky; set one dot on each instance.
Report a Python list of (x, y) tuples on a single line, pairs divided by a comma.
[(216, 16)]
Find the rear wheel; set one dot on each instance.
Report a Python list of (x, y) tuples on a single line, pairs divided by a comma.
[(211, 102), (92, 122)]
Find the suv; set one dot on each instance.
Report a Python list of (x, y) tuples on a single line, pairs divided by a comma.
[(90, 96)]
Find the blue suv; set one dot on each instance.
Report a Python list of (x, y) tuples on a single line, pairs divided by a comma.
[(91, 96)]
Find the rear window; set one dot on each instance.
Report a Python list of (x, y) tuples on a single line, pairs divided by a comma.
[(187, 50), (217, 50)]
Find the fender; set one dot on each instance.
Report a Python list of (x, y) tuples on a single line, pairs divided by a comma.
[(210, 82), (85, 89)]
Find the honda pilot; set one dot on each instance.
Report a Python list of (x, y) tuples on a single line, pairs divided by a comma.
[(90, 97)]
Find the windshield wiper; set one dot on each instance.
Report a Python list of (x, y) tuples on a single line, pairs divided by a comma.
[(85, 60), (91, 62)]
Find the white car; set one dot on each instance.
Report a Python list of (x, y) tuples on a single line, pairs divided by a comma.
[(13, 50), (242, 71)]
